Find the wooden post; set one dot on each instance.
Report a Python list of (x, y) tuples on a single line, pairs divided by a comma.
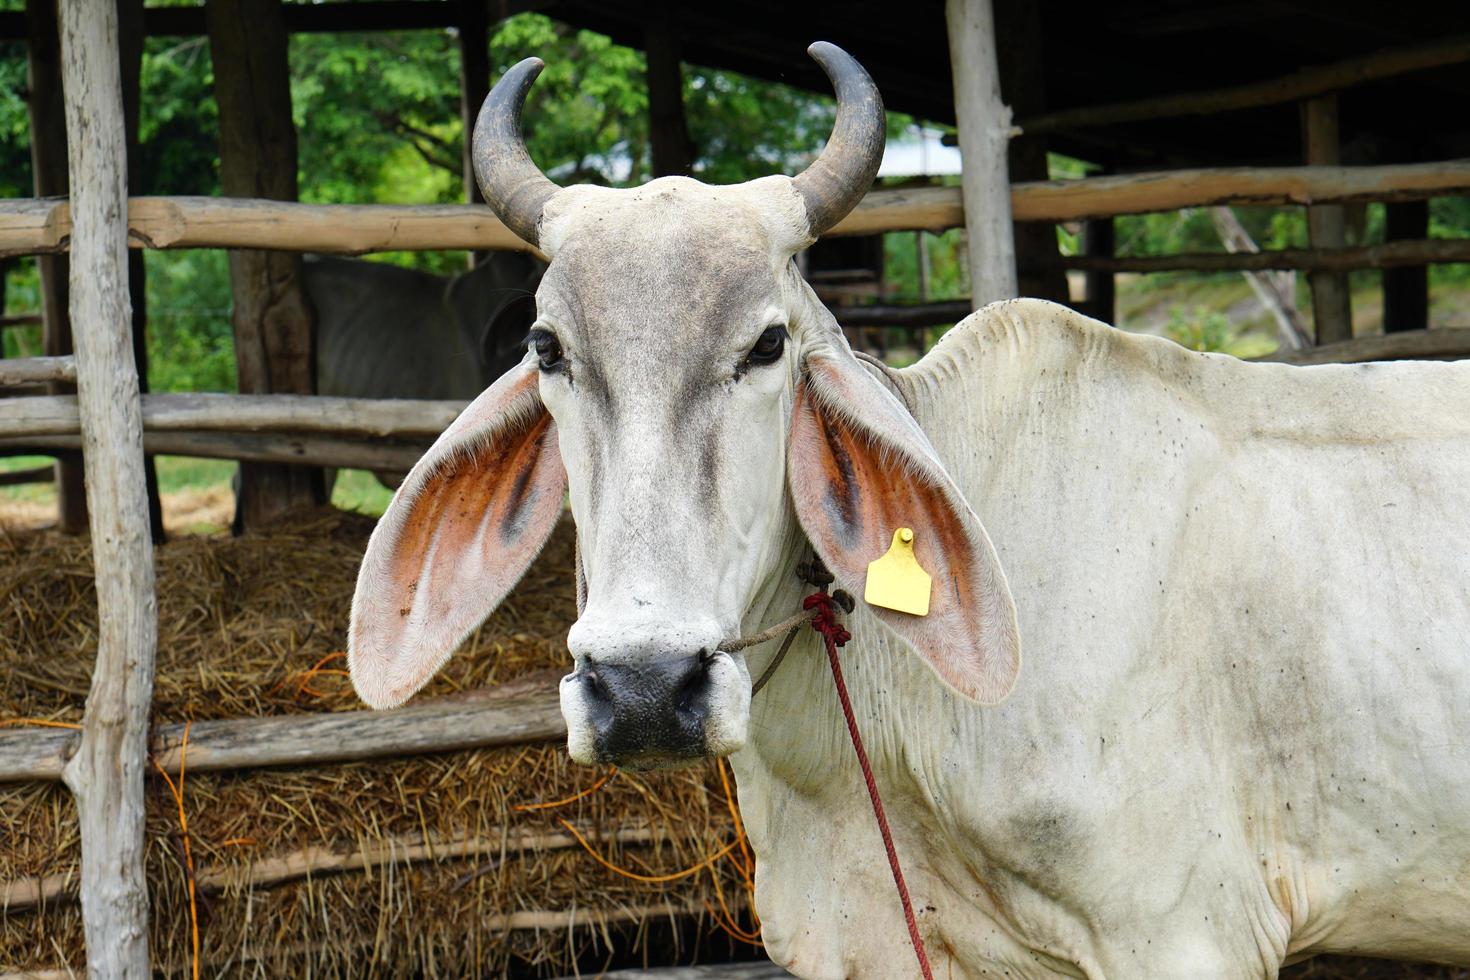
[(1331, 302), (474, 85), (48, 171), (668, 132), (1023, 86), (273, 319), (130, 39), (984, 130), (106, 774), (1101, 289), (1406, 288)]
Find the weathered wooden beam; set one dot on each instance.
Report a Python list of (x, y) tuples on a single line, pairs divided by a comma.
[(903, 314), (1332, 311), (1299, 85), (47, 113), (670, 149), (34, 370), (30, 227), (474, 85), (47, 415), (1406, 288), (377, 454), (313, 862), (764, 970), (1440, 344), (106, 773), (36, 227), (273, 321), (525, 714), (1100, 197), (21, 320), (984, 134), (130, 51), (36, 474), (1435, 251)]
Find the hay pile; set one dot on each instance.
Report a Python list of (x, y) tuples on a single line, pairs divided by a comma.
[(418, 867)]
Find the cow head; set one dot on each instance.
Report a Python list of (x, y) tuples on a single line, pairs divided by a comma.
[(700, 404)]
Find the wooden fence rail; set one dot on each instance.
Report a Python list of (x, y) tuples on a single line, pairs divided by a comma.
[(522, 714), (390, 455), (1383, 256), (32, 226), (45, 415)]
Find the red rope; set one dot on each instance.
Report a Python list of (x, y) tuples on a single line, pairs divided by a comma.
[(825, 622)]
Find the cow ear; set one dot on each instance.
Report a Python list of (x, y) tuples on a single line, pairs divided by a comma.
[(860, 468), (462, 529)]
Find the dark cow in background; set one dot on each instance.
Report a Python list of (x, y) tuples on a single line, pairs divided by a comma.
[(384, 331)]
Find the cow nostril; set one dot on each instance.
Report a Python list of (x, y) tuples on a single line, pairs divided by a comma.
[(598, 685), (691, 696)]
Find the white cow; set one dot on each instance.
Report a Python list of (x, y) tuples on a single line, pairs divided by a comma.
[(1242, 735)]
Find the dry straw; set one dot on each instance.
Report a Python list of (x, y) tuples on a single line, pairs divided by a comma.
[(430, 866)]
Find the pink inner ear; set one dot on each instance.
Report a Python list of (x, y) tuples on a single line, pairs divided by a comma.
[(852, 491), (461, 532)]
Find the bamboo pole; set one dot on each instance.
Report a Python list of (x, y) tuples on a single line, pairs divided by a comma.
[(34, 370), (30, 226), (1275, 91), (106, 773), (526, 714), (45, 415), (984, 132)]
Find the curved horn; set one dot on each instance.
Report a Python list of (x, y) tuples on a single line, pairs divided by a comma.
[(512, 184), (837, 180)]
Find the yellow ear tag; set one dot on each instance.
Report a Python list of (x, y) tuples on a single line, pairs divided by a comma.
[(896, 581)]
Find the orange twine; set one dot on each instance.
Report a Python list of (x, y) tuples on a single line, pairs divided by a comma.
[(178, 795), (744, 862), (523, 807), (649, 879)]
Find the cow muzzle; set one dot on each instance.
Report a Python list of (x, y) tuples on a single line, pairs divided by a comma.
[(655, 711)]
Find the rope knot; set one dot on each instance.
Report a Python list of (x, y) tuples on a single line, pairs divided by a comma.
[(825, 620)]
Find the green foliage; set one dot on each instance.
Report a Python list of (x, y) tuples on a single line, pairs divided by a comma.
[(15, 127), (190, 340), (1202, 329)]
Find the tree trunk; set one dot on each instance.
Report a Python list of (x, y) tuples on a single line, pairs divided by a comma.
[(984, 130), (106, 774), (49, 178), (273, 320)]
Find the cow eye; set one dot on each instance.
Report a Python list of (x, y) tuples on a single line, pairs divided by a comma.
[(547, 348), (769, 347)]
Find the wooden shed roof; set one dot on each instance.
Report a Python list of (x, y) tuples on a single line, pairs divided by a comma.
[(1091, 54), (1096, 54)]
